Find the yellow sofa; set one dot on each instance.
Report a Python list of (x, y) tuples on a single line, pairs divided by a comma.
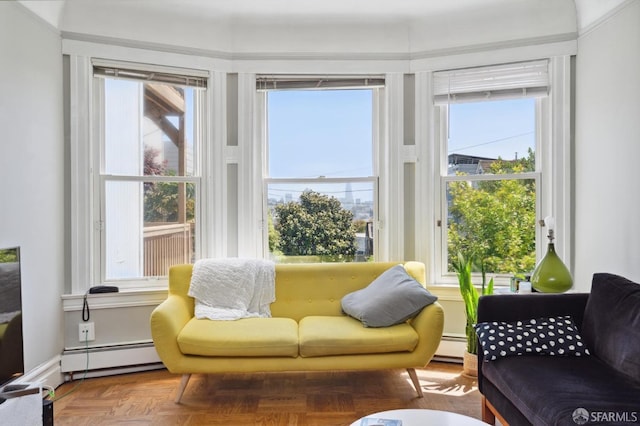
[(307, 330)]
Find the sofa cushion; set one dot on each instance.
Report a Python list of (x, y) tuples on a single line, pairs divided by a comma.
[(244, 337), (342, 335), (611, 325), (390, 299), (540, 336), (548, 390)]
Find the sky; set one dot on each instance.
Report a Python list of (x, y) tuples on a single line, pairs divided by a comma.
[(328, 133), (504, 128), (316, 133)]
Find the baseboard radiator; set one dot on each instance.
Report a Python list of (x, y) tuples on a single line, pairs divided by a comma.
[(127, 358), (109, 360), (451, 349)]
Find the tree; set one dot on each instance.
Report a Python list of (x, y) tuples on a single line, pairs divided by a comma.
[(495, 220), (161, 198), (8, 255), (161, 201), (151, 166), (274, 237), (360, 225), (317, 225)]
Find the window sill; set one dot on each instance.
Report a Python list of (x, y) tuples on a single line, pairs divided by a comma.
[(124, 298), (154, 296), (451, 292)]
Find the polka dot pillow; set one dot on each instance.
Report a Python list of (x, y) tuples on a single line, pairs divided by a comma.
[(540, 336)]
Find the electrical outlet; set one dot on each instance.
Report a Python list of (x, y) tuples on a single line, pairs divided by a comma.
[(86, 332)]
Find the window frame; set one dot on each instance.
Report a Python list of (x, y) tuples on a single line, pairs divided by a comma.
[(542, 143), (378, 129), (89, 180), (553, 160)]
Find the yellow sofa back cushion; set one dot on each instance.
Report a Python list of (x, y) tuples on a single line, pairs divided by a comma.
[(305, 289), (317, 289)]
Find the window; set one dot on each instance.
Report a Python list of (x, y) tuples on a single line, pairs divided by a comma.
[(321, 185), (149, 182), (490, 173)]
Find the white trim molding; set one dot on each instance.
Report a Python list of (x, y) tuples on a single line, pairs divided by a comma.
[(391, 190), (126, 298), (47, 374), (250, 149), (501, 55), (81, 171), (583, 31), (560, 161), (213, 214), (425, 171)]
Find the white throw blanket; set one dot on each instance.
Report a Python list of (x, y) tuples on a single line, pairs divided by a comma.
[(233, 288)]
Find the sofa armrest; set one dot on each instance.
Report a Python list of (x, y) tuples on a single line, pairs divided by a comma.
[(514, 307), (167, 321), (429, 324)]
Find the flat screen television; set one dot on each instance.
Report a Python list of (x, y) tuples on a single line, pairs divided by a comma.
[(11, 346)]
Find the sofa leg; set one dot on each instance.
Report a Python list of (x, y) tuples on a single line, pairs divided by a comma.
[(183, 385), (416, 382), (487, 414), (490, 414)]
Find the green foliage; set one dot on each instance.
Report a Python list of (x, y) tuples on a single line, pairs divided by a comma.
[(161, 202), (161, 198), (464, 268), (8, 255), (495, 220), (274, 237), (360, 225), (317, 225)]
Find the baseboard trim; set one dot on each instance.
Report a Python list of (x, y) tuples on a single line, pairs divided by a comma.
[(47, 374)]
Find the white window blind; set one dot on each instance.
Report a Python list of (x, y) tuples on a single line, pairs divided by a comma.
[(150, 73), (308, 82), (506, 81)]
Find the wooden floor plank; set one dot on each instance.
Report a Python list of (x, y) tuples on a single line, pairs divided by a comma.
[(265, 399)]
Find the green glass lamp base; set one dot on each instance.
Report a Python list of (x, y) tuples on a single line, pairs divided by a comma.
[(551, 275)]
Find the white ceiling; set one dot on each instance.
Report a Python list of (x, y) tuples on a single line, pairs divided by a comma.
[(53, 11)]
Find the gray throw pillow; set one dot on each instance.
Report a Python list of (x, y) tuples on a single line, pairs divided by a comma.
[(390, 299)]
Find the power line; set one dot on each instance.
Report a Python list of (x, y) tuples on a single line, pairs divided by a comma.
[(492, 141)]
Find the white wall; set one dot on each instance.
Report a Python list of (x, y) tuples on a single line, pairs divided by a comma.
[(607, 149), (32, 173)]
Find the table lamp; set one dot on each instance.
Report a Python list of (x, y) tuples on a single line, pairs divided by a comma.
[(551, 275)]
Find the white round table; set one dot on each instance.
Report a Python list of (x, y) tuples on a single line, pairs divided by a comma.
[(418, 417)]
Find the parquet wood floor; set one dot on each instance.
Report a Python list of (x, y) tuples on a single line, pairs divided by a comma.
[(266, 399)]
